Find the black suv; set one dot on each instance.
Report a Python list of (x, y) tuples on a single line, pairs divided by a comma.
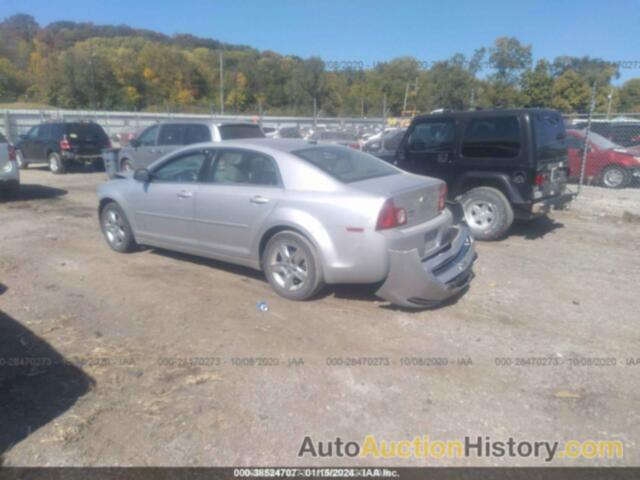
[(500, 164), (60, 144)]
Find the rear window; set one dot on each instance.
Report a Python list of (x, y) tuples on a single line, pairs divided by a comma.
[(550, 136), (345, 164), (497, 137), (234, 132), (85, 133)]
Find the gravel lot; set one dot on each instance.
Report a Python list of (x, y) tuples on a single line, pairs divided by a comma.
[(164, 346)]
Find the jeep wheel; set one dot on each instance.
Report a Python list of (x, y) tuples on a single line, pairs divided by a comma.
[(126, 165), (56, 164), (615, 176), (487, 212)]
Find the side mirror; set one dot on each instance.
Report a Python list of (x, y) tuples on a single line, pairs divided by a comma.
[(142, 175), (134, 142)]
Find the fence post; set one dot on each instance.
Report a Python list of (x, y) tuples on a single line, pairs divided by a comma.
[(585, 147)]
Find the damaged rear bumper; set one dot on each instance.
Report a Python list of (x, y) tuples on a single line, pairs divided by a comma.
[(415, 282)]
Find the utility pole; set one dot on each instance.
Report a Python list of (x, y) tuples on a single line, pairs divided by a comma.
[(610, 102), (384, 111), (92, 55), (221, 83), (315, 113), (585, 147), (406, 94)]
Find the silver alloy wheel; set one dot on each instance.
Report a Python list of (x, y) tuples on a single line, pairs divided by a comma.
[(114, 228), (480, 214), (289, 266), (53, 164), (613, 177)]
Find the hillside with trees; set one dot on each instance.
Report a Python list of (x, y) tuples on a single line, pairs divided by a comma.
[(82, 65)]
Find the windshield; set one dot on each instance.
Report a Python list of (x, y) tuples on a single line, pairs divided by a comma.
[(235, 132), (601, 142), (346, 164)]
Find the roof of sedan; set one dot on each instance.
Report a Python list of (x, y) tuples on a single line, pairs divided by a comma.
[(281, 144)]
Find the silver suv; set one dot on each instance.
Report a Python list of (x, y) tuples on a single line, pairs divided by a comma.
[(9, 171), (160, 139)]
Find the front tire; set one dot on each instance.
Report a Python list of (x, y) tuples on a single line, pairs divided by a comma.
[(487, 212), (56, 164), (292, 267), (116, 228), (615, 176)]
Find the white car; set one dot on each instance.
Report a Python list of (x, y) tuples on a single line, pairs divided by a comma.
[(9, 171)]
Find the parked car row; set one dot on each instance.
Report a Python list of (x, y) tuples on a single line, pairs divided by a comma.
[(323, 209)]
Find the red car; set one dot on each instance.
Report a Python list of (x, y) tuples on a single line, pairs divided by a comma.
[(608, 164)]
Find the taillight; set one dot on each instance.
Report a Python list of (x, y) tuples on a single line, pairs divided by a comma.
[(355, 145), (442, 197), (541, 178), (64, 144), (12, 153), (391, 216)]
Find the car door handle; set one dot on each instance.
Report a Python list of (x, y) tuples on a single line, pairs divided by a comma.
[(185, 194), (259, 200)]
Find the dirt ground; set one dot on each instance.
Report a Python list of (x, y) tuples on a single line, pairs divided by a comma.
[(164, 359)]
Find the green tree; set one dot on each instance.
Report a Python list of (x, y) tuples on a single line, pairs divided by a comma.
[(537, 86), (571, 93), (508, 57), (630, 96)]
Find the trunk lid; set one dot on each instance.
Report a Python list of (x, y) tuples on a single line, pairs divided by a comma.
[(418, 195)]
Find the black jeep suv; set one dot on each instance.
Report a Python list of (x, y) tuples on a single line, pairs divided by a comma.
[(60, 144), (499, 164)]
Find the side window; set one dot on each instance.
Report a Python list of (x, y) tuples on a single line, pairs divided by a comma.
[(183, 169), (33, 133), (45, 132), (171, 134), (148, 137), (244, 167), (432, 135), (492, 138), (196, 133)]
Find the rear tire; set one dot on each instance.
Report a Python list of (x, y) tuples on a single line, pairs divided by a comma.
[(615, 176), (487, 212), (292, 267), (21, 161), (116, 228), (56, 164)]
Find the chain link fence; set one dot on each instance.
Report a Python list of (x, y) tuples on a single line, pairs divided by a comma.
[(609, 154)]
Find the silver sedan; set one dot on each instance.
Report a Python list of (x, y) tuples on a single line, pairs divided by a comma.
[(305, 214)]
